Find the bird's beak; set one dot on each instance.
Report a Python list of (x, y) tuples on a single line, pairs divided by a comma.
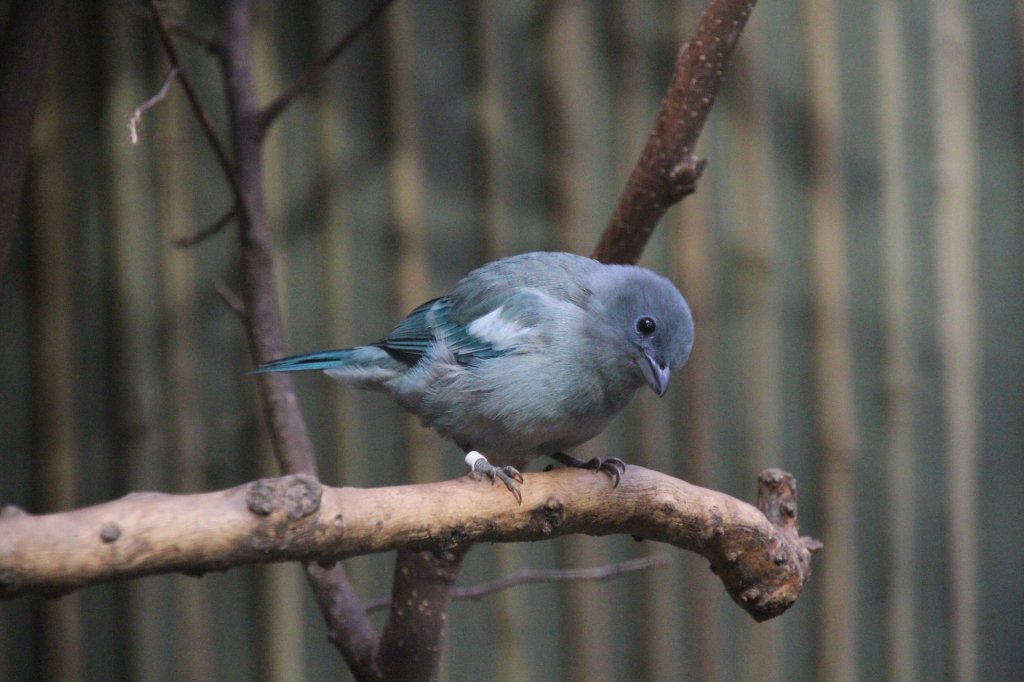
[(655, 374)]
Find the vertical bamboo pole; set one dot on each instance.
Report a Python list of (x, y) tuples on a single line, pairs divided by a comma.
[(339, 183), (956, 253), (281, 586), (696, 259), (759, 291), (495, 128), (409, 200), (569, 71), (900, 398), (176, 209), (835, 396), (54, 363), (135, 341)]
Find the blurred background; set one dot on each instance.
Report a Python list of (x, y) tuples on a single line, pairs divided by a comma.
[(853, 257)]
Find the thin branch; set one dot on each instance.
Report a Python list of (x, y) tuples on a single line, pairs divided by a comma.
[(351, 631), (230, 298), (202, 235), (533, 575), (274, 109), (211, 45), (668, 170), (757, 552), (197, 106), (348, 628), (136, 118)]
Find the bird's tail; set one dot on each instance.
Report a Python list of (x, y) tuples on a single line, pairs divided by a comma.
[(325, 359)]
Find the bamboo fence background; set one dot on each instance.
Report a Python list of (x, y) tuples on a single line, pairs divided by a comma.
[(854, 256)]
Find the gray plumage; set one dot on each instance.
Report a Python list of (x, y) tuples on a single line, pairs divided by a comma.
[(527, 356)]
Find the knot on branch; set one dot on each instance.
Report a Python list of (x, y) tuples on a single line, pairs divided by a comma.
[(548, 517), (765, 575), (9, 511), (683, 177), (776, 497), (296, 496)]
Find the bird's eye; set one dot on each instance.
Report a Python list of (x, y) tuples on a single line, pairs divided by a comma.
[(646, 326)]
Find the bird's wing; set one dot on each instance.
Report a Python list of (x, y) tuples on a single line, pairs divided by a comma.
[(495, 328), (496, 309)]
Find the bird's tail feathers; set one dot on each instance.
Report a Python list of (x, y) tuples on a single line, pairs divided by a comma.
[(325, 359)]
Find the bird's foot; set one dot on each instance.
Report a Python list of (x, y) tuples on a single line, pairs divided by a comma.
[(613, 466), (510, 476)]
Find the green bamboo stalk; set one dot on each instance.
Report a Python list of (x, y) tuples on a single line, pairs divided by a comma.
[(135, 263), (176, 205), (54, 364), (753, 174), (901, 399), (696, 260), (339, 140), (835, 395), (408, 187), (956, 254)]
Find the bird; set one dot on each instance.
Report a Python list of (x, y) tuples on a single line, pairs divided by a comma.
[(527, 356)]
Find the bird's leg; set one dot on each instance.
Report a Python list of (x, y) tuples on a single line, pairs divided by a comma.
[(613, 466), (479, 466)]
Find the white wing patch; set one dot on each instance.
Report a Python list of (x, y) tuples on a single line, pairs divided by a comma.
[(492, 328)]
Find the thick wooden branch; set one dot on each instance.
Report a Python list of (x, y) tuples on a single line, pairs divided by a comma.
[(668, 170), (757, 552)]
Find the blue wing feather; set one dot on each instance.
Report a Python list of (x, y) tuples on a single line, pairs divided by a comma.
[(325, 359), (431, 322)]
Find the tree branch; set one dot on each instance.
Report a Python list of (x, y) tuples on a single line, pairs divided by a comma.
[(533, 575), (189, 240), (668, 170), (135, 120), (175, 27), (193, 99), (757, 552), (274, 109), (347, 621)]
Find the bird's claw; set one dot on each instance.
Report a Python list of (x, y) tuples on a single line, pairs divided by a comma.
[(510, 476), (613, 466)]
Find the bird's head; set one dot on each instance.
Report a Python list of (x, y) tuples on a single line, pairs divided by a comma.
[(651, 322)]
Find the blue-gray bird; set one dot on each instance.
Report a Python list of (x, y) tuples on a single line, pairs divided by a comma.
[(527, 356)]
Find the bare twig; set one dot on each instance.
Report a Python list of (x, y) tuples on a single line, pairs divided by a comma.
[(668, 170), (136, 118), (174, 26), (197, 106), (532, 575), (230, 298), (272, 110), (202, 235)]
